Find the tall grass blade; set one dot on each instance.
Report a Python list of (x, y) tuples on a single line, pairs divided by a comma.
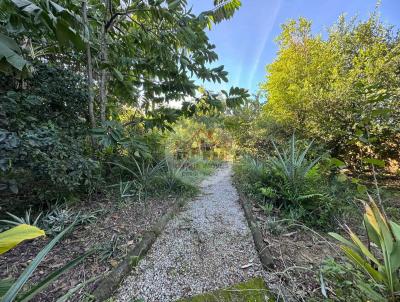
[(5, 285), (292, 159), (304, 153), (43, 284)]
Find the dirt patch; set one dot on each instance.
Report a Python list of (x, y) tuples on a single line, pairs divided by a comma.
[(297, 252), (124, 225)]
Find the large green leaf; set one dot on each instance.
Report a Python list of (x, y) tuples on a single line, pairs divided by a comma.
[(372, 234), (11, 53), (345, 241), (16, 235), (374, 161), (396, 230), (364, 250), (363, 264)]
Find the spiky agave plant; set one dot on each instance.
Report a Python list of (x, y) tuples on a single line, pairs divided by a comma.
[(293, 164), (382, 262), (27, 219), (254, 165), (173, 173), (142, 174)]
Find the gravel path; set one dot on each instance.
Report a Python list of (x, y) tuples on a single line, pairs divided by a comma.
[(207, 246)]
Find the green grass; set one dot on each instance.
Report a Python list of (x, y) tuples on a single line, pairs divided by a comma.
[(253, 290)]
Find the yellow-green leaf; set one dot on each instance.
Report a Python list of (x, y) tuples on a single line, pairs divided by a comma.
[(370, 217), (373, 235), (362, 263), (12, 237), (365, 251), (345, 241)]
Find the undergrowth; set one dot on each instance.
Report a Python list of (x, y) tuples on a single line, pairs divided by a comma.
[(296, 183)]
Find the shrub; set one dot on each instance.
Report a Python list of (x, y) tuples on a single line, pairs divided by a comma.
[(139, 176), (295, 170), (294, 180), (55, 160), (172, 178), (57, 219), (251, 176), (43, 148), (146, 178)]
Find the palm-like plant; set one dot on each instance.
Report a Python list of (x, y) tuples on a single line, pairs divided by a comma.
[(383, 269), (143, 173), (292, 164), (173, 173)]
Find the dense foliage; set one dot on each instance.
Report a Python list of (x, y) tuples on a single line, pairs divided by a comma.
[(43, 147), (342, 90), (295, 181), (100, 97), (85, 85), (341, 93), (202, 135), (328, 133), (85, 93)]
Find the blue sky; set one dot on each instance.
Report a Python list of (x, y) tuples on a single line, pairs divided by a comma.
[(246, 43)]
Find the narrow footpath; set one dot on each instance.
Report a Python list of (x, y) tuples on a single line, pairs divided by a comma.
[(207, 246)]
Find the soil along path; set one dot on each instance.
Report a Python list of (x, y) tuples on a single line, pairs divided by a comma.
[(207, 246)]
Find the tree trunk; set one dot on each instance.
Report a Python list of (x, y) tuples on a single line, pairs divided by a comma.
[(89, 68), (104, 59), (103, 76)]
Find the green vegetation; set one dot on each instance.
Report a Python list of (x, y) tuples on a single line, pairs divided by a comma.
[(385, 235), (13, 290), (85, 93), (342, 91), (339, 96), (98, 102), (327, 136), (292, 181)]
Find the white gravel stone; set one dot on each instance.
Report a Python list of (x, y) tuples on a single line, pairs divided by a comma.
[(203, 248)]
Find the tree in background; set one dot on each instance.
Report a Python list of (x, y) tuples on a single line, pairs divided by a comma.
[(140, 53), (343, 90), (245, 126), (203, 134)]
